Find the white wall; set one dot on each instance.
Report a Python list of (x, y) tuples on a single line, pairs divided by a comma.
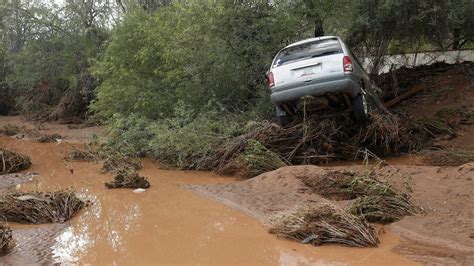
[(425, 58)]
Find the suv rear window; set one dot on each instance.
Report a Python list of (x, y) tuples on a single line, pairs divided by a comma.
[(308, 50)]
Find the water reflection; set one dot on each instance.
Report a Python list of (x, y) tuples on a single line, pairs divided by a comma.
[(97, 228)]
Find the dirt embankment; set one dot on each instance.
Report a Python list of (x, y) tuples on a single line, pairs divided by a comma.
[(443, 232)]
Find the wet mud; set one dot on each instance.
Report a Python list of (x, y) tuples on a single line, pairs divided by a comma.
[(166, 224)]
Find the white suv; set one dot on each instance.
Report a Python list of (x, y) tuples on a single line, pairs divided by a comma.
[(319, 74)]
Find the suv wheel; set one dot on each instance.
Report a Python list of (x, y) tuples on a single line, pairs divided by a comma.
[(283, 120), (360, 108)]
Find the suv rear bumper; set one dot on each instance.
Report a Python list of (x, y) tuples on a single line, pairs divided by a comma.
[(347, 84)]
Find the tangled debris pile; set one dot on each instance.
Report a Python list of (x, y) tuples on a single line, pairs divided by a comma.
[(375, 200), (317, 140), (128, 180), (6, 239), (326, 224), (11, 162), (126, 170), (40, 207)]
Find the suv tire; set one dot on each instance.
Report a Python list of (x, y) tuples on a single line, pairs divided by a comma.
[(360, 108), (283, 121)]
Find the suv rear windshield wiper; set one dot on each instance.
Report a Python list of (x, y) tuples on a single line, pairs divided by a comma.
[(325, 53)]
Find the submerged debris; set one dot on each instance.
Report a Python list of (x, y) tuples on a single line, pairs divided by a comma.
[(128, 180), (40, 207), (11, 162), (6, 239), (325, 224)]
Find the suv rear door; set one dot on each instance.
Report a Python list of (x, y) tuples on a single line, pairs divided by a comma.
[(308, 63)]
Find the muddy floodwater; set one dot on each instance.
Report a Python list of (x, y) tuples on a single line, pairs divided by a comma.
[(164, 225)]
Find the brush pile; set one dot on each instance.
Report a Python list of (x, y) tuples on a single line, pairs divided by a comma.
[(370, 201), (128, 180), (6, 240), (326, 224), (117, 163), (39, 207), (255, 159), (315, 141), (375, 201), (11, 162)]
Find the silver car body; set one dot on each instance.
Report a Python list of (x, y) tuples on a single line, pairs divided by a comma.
[(319, 75)]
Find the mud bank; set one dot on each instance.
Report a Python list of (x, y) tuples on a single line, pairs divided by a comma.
[(443, 233)]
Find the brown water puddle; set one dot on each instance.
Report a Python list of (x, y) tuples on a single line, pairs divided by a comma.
[(166, 224)]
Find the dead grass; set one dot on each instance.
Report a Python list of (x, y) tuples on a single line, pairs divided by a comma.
[(375, 200), (325, 224), (382, 209), (40, 207), (6, 239), (11, 162), (448, 156)]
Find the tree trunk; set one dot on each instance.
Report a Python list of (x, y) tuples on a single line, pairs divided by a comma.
[(318, 27)]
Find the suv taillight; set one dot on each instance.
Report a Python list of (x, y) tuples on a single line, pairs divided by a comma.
[(347, 63), (270, 80)]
